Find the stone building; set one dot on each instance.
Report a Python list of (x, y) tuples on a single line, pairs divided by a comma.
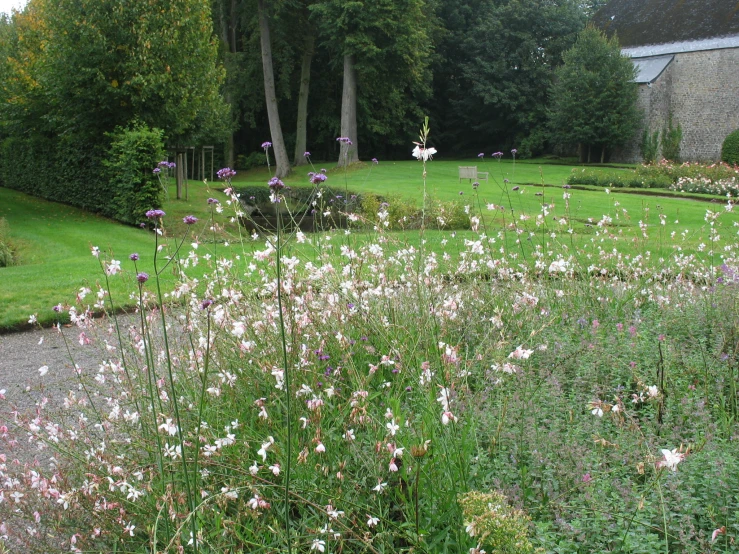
[(687, 58)]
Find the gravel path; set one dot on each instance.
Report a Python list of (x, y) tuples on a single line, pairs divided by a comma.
[(23, 354)]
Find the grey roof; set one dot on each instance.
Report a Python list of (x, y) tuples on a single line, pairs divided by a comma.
[(648, 69), (642, 22), (682, 46)]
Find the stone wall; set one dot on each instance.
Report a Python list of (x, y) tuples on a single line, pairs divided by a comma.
[(701, 89)]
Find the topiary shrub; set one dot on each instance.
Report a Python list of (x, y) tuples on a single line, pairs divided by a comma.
[(6, 254), (134, 188), (730, 149)]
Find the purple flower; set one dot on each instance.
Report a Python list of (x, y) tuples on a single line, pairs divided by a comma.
[(318, 178), (57, 308), (344, 140), (205, 304), (324, 170), (142, 277), (275, 184), (156, 171), (566, 187), (475, 185), (189, 219), (461, 193), (374, 161), (213, 201), (154, 214), (225, 173), (514, 151), (497, 155), (133, 257), (516, 188), (142, 225), (266, 144), (306, 154), (482, 155), (171, 165), (163, 163)]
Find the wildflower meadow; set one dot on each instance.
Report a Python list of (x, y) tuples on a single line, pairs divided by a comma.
[(532, 381)]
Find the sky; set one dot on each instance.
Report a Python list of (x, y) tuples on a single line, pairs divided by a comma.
[(7, 5)]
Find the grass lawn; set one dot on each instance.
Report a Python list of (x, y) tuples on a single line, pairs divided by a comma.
[(53, 240)]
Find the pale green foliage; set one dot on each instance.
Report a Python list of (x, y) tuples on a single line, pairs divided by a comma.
[(495, 524)]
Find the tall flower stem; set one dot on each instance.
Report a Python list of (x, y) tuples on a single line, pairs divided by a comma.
[(175, 402), (283, 340)]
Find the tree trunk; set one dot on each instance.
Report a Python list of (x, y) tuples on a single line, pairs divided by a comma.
[(229, 45), (580, 152), (301, 135), (603, 154), (589, 153), (282, 162), (349, 152)]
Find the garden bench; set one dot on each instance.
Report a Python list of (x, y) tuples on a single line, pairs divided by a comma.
[(470, 172)]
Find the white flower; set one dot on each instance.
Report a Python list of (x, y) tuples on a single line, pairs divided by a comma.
[(597, 411), (671, 459), (392, 427), (653, 391), (320, 449), (520, 353), (43, 370), (424, 154), (113, 267), (168, 427), (349, 435), (319, 545), (372, 521), (380, 488)]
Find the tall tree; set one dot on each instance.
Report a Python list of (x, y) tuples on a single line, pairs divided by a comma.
[(107, 62), (301, 128), (594, 98), (282, 163), (496, 66), (384, 47)]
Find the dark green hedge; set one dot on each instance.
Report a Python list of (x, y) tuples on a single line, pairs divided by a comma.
[(730, 149), (113, 178)]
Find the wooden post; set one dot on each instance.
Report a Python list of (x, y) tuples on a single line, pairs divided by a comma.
[(179, 172)]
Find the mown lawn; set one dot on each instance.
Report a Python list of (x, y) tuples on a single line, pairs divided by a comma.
[(53, 241)]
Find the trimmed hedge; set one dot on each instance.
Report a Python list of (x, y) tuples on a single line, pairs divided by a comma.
[(6, 252), (90, 176), (730, 149), (662, 175), (132, 156), (618, 179)]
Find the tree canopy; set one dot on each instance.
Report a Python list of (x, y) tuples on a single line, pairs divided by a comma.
[(594, 97)]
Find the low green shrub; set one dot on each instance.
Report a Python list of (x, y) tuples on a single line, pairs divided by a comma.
[(390, 212), (671, 139), (6, 253), (713, 179), (649, 146), (255, 159), (618, 179), (134, 153), (730, 149)]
